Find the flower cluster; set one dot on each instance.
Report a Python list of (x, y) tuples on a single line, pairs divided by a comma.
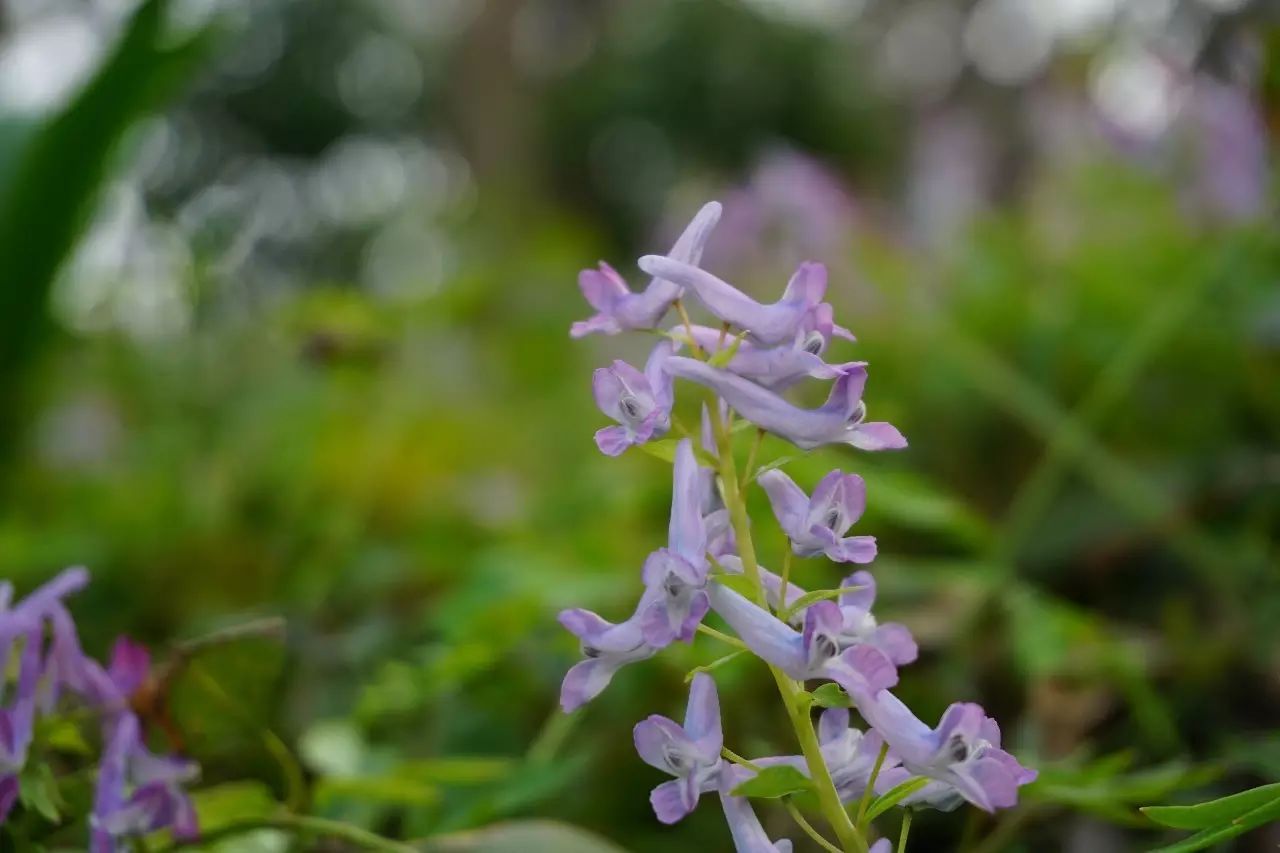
[(758, 351), (137, 790)]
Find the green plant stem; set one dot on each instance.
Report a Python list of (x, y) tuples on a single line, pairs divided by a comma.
[(786, 576), (738, 759), (299, 825), (808, 828), (722, 637), (749, 470), (828, 798), (906, 828), (688, 328), (871, 783)]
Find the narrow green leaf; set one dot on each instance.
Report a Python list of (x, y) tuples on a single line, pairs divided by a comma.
[(722, 357), (664, 449), (39, 792), (894, 795), (1214, 812), (1264, 814), (813, 598), (773, 782), (830, 695)]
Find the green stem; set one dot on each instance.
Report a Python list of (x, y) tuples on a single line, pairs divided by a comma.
[(871, 783), (808, 828), (722, 637), (906, 828), (299, 825), (738, 759), (828, 798), (786, 577)]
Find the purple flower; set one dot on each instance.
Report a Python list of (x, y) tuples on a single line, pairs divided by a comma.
[(607, 648), (139, 792), (744, 827), (816, 525), (839, 421), (618, 309), (772, 324), (691, 752), (963, 751), (676, 576), (775, 368), (639, 402), (859, 624), (17, 721), (813, 652), (850, 754)]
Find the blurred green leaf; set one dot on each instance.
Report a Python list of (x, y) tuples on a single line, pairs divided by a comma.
[(38, 790), (1263, 814), (63, 166), (1103, 788), (1214, 812)]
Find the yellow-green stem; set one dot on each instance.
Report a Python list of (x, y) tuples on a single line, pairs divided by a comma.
[(828, 798), (906, 828), (871, 783)]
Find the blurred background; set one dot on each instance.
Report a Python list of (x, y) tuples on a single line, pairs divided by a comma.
[(284, 318)]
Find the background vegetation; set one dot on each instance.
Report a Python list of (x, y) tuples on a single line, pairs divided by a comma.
[(283, 331)]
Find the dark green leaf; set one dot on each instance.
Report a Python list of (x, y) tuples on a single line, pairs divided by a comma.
[(1259, 816)]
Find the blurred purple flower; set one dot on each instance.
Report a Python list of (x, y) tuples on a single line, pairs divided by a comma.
[(618, 309), (691, 752), (639, 402), (676, 576), (816, 525), (139, 792), (963, 751), (744, 827), (1232, 174), (839, 421), (17, 721)]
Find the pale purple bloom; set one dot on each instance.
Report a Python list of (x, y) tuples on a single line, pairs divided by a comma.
[(679, 571), (813, 652), (771, 324), (139, 792), (841, 420), (606, 648), (859, 625), (849, 753), (618, 309), (639, 402), (963, 751), (776, 367), (690, 753), (816, 525)]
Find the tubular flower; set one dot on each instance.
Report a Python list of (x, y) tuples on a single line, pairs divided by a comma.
[(816, 525), (606, 648), (617, 308), (775, 368), (841, 420)]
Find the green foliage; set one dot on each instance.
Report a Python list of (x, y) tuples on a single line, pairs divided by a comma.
[(1219, 820), (773, 782)]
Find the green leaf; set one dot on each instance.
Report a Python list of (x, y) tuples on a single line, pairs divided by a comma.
[(39, 792), (722, 357), (740, 584), (665, 449), (1215, 812), (894, 795), (773, 782), (61, 168), (1263, 814), (830, 695)]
